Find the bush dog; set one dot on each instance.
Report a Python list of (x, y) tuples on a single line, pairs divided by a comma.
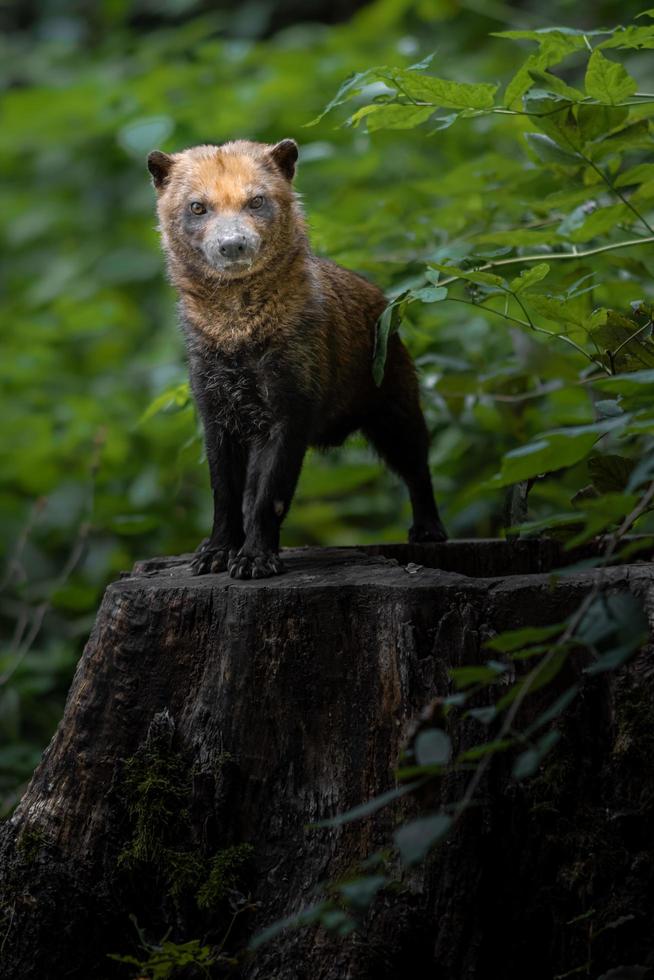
[(280, 345)]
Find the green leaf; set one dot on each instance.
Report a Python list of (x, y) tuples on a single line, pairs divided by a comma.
[(351, 87), (338, 921), (360, 892), (610, 473), (599, 120), (485, 748), (511, 640), (550, 152), (178, 397), (634, 383), (613, 658), (388, 323), (575, 219), (643, 473), (550, 83), (440, 92), (630, 37), (466, 676), (484, 715), (554, 710), (429, 294), (554, 47), (634, 136), (615, 626), (608, 81), (541, 675), (554, 451), (600, 222), (564, 311), (368, 808), (529, 277), (307, 915), (471, 275), (392, 115), (631, 972), (415, 839), (432, 747), (639, 174), (528, 762)]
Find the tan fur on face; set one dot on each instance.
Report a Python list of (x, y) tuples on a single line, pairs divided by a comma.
[(225, 184), (226, 177)]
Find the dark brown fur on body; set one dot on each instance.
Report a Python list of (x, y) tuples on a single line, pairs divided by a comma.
[(280, 347)]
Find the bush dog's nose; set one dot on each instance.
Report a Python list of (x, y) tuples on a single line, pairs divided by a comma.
[(233, 248)]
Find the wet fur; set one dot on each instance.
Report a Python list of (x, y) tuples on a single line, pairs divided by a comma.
[(280, 354)]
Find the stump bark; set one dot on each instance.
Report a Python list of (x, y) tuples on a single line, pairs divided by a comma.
[(211, 722)]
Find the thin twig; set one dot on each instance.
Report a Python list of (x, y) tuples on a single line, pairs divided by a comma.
[(633, 337), (554, 256), (14, 567), (21, 646), (532, 326)]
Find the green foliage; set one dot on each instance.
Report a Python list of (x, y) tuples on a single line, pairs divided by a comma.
[(166, 960), (226, 870)]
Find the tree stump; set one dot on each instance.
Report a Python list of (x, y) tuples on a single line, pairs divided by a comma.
[(211, 722)]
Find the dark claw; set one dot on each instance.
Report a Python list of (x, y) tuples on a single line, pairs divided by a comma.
[(211, 561), (255, 566), (433, 531)]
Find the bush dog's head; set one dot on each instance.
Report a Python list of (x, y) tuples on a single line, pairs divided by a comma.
[(227, 211)]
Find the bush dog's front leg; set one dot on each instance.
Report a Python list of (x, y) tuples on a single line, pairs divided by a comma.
[(273, 469), (227, 466)]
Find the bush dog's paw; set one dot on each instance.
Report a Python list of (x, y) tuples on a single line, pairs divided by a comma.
[(422, 533), (211, 560), (255, 566)]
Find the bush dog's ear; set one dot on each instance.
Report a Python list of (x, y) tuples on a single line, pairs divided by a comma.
[(160, 164), (284, 155)]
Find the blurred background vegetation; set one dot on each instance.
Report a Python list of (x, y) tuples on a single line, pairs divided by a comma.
[(90, 479)]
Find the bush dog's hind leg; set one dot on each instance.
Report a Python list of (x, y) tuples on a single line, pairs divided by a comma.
[(398, 432)]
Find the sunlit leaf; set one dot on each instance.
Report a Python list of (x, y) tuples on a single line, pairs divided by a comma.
[(608, 81)]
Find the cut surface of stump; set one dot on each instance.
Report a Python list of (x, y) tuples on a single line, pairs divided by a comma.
[(211, 722)]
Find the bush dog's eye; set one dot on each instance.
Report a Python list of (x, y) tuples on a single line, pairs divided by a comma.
[(197, 207), (256, 202)]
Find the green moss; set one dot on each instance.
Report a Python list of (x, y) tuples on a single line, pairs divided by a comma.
[(157, 789), (30, 842), (225, 872), (634, 726)]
